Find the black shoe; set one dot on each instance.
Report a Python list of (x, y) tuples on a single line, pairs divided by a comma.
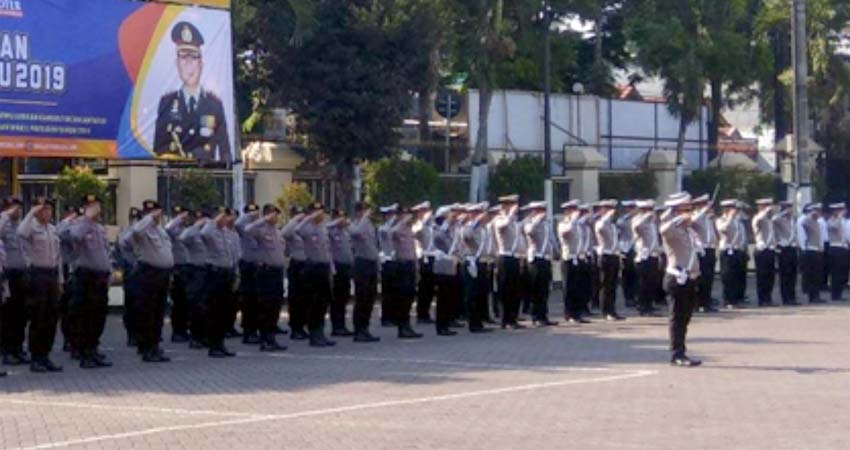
[(232, 333), (732, 306), (544, 323), (12, 359), (425, 321), (839, 299), (387, 323), (251, 339), (365, 336), (513, 326), (614, 318), (44, 365), (271, 346), (651, 313), (765, 305), (479, 330), (88, 363), (488, 321), (576, 319), (817, 301), (196, 344), (456, 324), (66, 347), (100, 359), (791, 303), (76, 355), (155, 356), (217, 352), (298, 335), (179, 338), (708, 309), (406, 332), (342, 332), (446, 332), (281, 331), (321, 341), (3, 373), (684, 361), (132, 342)]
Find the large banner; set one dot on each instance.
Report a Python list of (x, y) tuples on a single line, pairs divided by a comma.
[(212, 3), (115, 79)]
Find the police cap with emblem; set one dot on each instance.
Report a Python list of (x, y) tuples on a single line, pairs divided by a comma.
[(149, 206), (10, 201), (252, 207), (89, 199), (268, 208), (187, 38)]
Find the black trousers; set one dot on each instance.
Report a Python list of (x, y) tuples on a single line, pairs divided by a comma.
[(475, 293), (129, 286), (425, 291), (388, 296), (733, 273), (540, 271), (705, 284), (811, 267), (825, 269), (297, 295), (404, 290), (681, 304), (788, 274), (765, 275), (839, 264), (150, 303), (661, 294), (341, 295), (365, 291), (43, 308), (508, 281), (248, 296), (64, 301), (575, 283), (196, 296), (650, 281), (317, 294), (268, 295), (88, 308), (609, 272), (179, 300), (13, 323), (526, 291), (445, 300), (630, 277), (595, 282), (219, 304)]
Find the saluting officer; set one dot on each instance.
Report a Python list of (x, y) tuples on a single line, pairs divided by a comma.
[(811, 251), (248, 276), (570, 235), (681, 276), (765, 255), (14, 319), (786, 239), (155, 264), (507, 234), (629, 281), (268, 273), (732, 262), (220, 276), (647, 252), (179, 300), (404, 284), (296, 288), (317, 279), (66, 245), (41, 250), (839, 258), (365, 247), (476, 276), (127, 260), (343, 258), (196, 278), (388, 265), (234, 244), (609, 258), (89, 303), (190, 122), (423, 229), (702, 222), (542, 249)]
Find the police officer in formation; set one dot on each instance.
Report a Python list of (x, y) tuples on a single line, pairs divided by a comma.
[(214, 261)]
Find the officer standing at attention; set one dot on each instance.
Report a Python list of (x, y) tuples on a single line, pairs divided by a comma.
[(155, 264), (14, 320), (248, 277), (477, 289), (423, 229), (196, 279), (268, 273), (838, 256), (786, 239), (41, 251), (570, 235), (731, 260), (765, 254), (89, 303), (297, 291), (542, 250), (179, 300), (682, 272), (317, 280), (702, 222), (647, 251), (220, 278), (365, 271), (388, 265), (234, 243), (609, 258), (507, 232), (343, 258), (66, 245), (811, 251), (629, 281), (127, 260), (404, 290)]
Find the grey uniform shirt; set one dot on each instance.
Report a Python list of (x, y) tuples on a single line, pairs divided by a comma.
[(404, 243), (680, 247), (152, 244), (764, 233), (606, 235), (423, 230), (835, 231), (340, 245), (250, 247), (66, 243), (270, 247), (363, 239), (541, 241), (41, 243), (91, 244), (385, 243), (624, 229), (783, 226), (475, 239), (219, 249), (317, 245), (294, 243), (125, 244), (569, 235), (808, 230), (234, 244), (507, 233), (196, 249), (174, 228), (15, 256), (647, 239), (703, 224), (731, 233)]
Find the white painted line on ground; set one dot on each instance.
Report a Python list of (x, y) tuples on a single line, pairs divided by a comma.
[(143, 409), (342, 409)]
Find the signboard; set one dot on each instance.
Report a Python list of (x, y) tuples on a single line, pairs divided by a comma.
[(448, 104), (115, 79)]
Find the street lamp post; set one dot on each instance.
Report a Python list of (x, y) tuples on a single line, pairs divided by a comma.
[(547, 113), (799, 49)]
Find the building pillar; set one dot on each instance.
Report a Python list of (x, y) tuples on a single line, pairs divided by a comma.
[(274, 165), (137, 182), (582, 166), (662, 164)]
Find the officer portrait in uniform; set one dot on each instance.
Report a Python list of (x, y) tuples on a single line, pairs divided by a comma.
[(190, 121)]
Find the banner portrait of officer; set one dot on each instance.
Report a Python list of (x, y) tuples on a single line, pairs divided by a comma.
[(191, 122)]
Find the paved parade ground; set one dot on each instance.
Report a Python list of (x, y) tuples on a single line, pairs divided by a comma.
[(773, 379)]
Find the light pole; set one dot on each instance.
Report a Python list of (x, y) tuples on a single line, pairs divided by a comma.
[(799, 54), (547, 112)]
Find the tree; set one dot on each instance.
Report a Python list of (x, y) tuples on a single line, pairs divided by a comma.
[(76, 182), (294, 195), (194, 190), (393, 180), (523, 176)]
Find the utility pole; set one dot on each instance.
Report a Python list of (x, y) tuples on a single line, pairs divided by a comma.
[(799, 49), (547, 111)]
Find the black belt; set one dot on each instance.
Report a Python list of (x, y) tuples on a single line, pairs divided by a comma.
[(217, 269), (92, 271), (44, 270)]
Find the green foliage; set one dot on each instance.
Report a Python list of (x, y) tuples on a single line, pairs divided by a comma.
[(523, 175), (76, 182), (625, 186), (453, 190), (294, 194), (194, 189), (733, 183), (392, 180)]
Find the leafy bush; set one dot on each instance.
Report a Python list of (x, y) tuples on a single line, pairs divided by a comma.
[(194, 189), (629, 185), (453, 190), (406, 182), (731, 183), (76, 182), (294, 194), (523, 175)]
